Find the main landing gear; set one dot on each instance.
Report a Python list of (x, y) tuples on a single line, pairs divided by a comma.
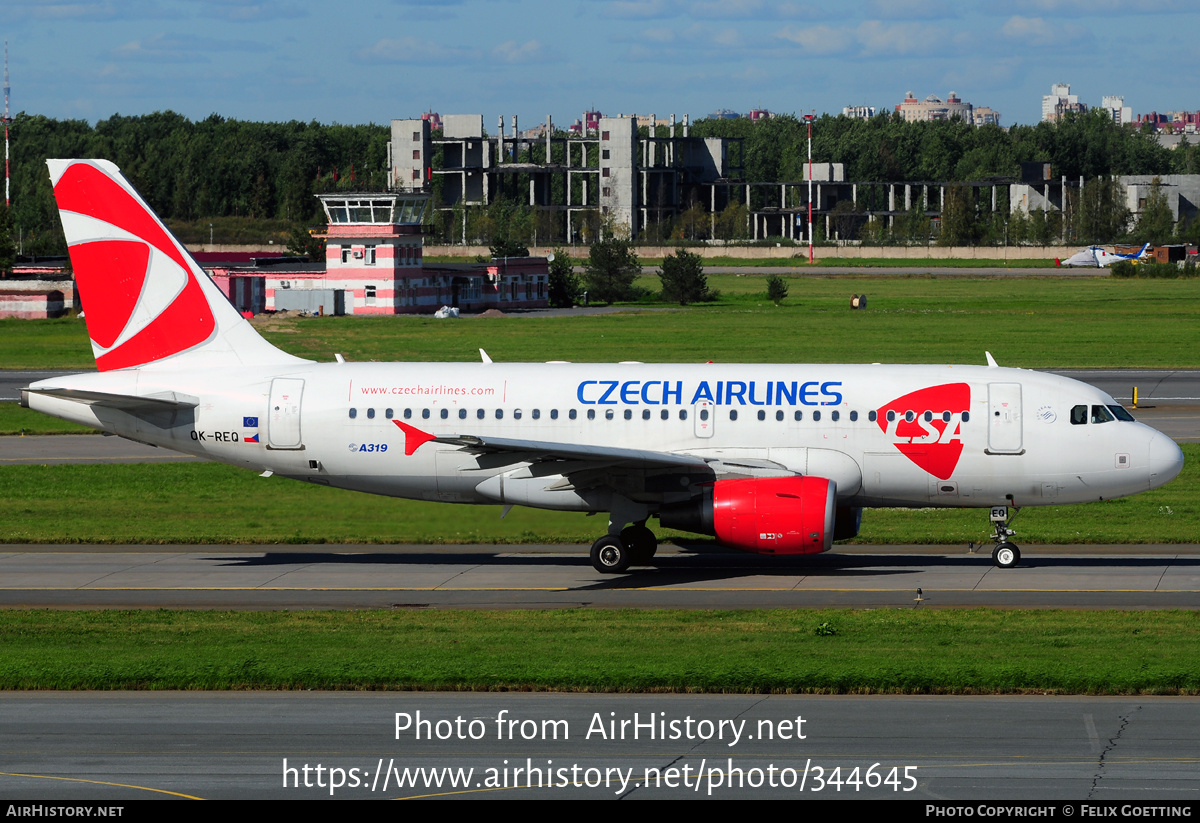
[(1006, 555), (634, 546)]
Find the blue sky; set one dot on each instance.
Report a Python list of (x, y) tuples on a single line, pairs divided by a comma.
[(356, 61)]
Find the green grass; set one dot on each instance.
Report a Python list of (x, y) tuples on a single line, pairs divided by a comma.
[(799, 261), (212, 503), (1034, 322), (1028, 322), (15, 420), (800, 651)]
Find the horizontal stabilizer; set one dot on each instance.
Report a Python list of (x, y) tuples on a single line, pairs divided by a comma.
[(160, 401)]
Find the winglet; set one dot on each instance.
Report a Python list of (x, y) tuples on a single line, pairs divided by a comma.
[(414, 438), (991, 360)]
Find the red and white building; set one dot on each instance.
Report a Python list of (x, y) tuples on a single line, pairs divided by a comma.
[(374, 265)]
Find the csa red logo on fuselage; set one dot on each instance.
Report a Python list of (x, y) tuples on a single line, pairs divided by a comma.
[(934, 444)]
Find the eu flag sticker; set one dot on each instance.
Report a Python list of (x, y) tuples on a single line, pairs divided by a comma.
[(249, 422)]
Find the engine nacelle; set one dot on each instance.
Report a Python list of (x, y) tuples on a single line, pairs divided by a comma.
[(770, 515)]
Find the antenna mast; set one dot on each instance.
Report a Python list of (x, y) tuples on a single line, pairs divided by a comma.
[(7, 120)]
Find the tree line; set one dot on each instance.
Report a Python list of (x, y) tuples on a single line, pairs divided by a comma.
[(223, 168)]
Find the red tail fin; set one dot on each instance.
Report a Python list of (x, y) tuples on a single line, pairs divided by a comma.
[(144, 297)]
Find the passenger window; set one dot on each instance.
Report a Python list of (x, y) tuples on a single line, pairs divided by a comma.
[(872, 416), (572, 414), (645, 414), (703, 414), (479, 413), (445, 413), (762, 415), (554, 414), (424, 414), (835, 416), (408, 414), (353, 413), (370, 414), (799, 415), (816, 415), (388, 414), (908, 416), (683, 414), (853, 417), (966, 417), (462, 414), (1078, 415), (537, 414), (945, 417), (928, 417), (629, 414), (779, 415), (608, 414), (591, 414), (666, 415), (516, 414), (733, 414), (499, 414), (1101, 415), (891, 415)]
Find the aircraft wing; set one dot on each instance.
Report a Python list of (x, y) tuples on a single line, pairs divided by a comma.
[(534, 450)]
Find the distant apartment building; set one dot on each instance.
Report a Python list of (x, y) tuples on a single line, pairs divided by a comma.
[(586, 125), (1172, 122), (1060, 101), (934, 108), (1114, 106), (984, 116), (859, 112)]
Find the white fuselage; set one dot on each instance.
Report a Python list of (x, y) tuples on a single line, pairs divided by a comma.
[(959, 436)]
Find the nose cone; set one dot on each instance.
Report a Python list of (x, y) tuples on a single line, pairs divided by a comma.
[(1165, 460)]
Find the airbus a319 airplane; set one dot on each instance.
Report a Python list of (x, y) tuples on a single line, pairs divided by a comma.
[(770, 458)]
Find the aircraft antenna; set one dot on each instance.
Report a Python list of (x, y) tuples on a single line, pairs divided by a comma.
[(7, 120)]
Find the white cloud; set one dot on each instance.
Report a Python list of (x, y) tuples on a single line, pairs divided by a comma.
[(530, 51), (878, 39), (738, 9), (1035, 31), (176, 48), (413, 50), (1092, 8), (818, 39), (638, 9), (915, 9)]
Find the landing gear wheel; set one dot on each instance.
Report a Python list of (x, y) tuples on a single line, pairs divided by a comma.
[(642, 544), (1006, 555), (610, 555)]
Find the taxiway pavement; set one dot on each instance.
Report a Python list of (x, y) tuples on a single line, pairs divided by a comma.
[(548, 576)]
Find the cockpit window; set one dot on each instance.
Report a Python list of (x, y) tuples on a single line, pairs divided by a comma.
[(1079, 415), (1121, 413), (1100, 414)]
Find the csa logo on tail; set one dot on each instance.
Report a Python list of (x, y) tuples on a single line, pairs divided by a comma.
[(934, 444), (139, 290)]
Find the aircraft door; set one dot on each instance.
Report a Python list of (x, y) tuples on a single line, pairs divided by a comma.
[(704, 414), (1004, 418), (283, 414)]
